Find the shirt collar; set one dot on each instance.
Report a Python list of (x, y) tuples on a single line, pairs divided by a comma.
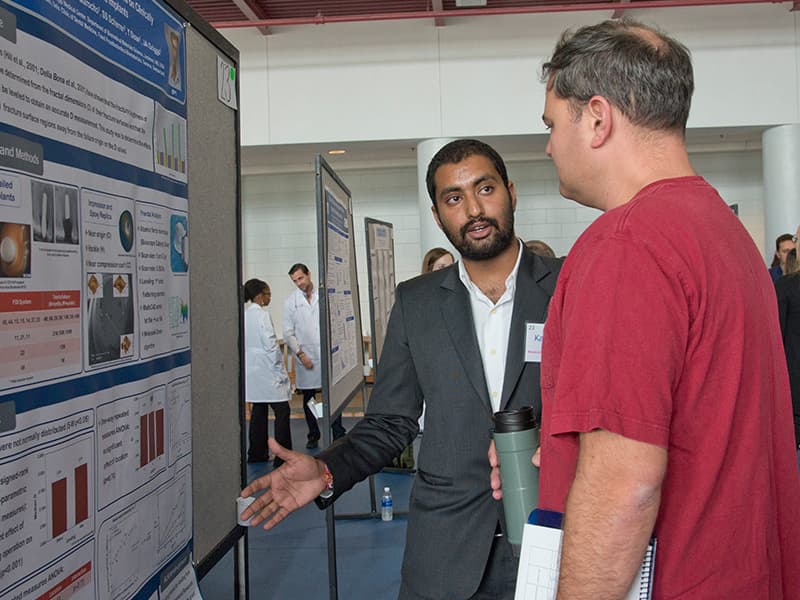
[(511, 280)]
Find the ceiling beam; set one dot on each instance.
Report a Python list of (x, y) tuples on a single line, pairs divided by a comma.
[(321, 19), (253, 12), (438, 7), (619, 12)]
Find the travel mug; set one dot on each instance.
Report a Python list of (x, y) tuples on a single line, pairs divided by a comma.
[(516, 438)]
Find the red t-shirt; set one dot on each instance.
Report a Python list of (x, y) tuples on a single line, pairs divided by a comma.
[(663, 329)]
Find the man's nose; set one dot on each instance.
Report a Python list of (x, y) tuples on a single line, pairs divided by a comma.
[(473, 205)]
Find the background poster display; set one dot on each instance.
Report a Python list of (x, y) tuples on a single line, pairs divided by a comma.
[(95, 381), (380, 269)]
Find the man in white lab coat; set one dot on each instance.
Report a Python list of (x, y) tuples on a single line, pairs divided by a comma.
[(301, 334)]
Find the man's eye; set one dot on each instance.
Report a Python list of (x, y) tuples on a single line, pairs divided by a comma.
[(487, 189), (451, 199)]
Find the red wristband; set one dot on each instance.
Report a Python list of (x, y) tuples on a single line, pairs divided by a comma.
[(328, 491)]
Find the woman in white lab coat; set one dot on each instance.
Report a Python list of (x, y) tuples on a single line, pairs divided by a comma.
[(266, 380)]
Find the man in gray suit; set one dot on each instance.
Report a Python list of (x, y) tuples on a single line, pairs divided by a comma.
[(457, 340)]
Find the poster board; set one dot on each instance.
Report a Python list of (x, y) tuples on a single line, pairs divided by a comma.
[(340, 312), (218, 418), (381, 273), (99, 325)]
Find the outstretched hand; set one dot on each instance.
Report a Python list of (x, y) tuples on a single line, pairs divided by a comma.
[(494, 477), (298, 481)]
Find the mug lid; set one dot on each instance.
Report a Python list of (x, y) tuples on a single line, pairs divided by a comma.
[(516, 419)]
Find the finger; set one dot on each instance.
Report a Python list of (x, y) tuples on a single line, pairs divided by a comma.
[(493, 455), (255, 507), (278, 450), (536, 459), (261, 509), (261, 483), (279, 516)]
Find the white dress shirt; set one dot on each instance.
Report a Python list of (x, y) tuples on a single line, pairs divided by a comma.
[(492, 325)]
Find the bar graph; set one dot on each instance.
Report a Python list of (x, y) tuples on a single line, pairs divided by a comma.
[(169, 144), (58, 506), (170, 152), (151, 436), (67, 476)]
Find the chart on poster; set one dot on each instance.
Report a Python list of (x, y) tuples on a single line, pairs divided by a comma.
[(95, 370)]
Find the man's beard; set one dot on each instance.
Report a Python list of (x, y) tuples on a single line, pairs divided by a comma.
[(488, 248)]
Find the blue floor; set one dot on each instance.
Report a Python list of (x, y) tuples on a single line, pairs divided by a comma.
[(291, 561)]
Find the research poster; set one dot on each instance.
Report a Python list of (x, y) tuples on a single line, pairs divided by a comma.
[(345, 341), (95, 374), (380, 261)]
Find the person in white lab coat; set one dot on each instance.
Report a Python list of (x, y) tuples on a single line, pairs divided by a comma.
[(301, 333), (266, 380)]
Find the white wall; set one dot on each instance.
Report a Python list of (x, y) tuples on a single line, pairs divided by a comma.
[(279, 215), (479, 76)]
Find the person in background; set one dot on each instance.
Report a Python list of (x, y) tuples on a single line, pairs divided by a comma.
[(435, 259), (266, 380), (540, 248), (665, 400), (787, 289), (456, 340), (301, 334), (783, 245)]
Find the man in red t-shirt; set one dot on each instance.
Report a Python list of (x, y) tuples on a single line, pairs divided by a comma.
[(666, 406)]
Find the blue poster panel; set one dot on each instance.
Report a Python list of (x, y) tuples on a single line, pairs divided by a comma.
[(95, 367)]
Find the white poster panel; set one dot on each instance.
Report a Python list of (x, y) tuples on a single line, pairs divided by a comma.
[(345, 341), (95, 378)]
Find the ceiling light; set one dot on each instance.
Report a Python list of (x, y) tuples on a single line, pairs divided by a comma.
[(337, 152)]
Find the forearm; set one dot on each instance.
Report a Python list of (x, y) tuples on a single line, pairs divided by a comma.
[(290, 339), (604, 544), (610, 514), (368, 447)]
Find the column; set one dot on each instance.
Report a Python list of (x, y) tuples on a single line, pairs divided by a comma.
[(780, 156), (430, 235)]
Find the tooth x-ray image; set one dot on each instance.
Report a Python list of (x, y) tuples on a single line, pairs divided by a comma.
[(42, 211), (110, 315), (174, 46), (66, 215)]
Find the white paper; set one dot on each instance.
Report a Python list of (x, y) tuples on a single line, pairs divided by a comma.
[(540, 557)]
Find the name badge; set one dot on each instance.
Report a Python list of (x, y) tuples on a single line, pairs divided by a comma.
[(534, 335)]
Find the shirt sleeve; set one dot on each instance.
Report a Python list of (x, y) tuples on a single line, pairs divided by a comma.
[(289, 335), (623, 338)]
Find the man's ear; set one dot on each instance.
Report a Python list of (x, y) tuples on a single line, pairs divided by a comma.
[(513, 193), (601, 119), (436, 216)]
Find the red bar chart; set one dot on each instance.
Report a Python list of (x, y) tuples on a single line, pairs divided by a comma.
[(59, 506), (151, 436), (81, 493), (68, 481)]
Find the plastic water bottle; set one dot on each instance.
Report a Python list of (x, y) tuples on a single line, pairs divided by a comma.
[(386, 505)]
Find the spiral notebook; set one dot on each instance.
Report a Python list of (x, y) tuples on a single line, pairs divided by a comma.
[(537, 577)]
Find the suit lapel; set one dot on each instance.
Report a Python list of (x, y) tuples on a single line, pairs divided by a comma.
[(457, 316), (530, 306)]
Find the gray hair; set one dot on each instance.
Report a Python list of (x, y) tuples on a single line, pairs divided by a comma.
[(644, 73)]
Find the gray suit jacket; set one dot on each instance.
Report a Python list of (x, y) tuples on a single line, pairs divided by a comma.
[(431, 354)]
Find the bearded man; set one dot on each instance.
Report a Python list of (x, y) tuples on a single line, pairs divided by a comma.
[(457, 340)]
